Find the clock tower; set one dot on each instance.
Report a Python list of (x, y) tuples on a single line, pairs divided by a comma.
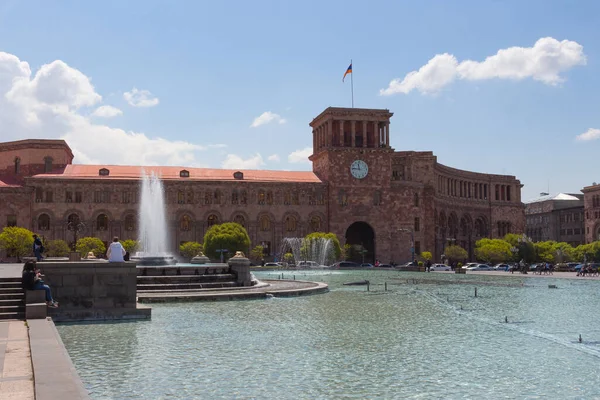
[(352, 154)]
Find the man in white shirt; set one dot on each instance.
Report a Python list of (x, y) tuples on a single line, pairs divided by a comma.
[(115, 251)]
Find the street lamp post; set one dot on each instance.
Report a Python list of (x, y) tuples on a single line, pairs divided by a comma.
[(75, 227)]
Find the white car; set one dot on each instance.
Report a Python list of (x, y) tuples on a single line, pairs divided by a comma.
[(479, 267), (440, 267), (466, 266), (501, 267), (307, 264)]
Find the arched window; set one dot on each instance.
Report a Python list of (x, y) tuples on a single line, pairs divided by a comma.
[(269, 197), (185, 223), (416, 199), (261, 197), (43, 222), (265, 223), (239, 219), (17, 165), (315, 224), (234, 197), (73, 219), (130, 222), (290, 224), (212, 220), (47, 164), (102, 222), (217, 196)]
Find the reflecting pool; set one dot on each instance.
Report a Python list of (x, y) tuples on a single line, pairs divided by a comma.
[(418, 339)]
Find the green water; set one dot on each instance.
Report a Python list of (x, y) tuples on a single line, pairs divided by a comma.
[(415, 340)]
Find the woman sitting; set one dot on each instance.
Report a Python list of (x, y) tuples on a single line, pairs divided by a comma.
[(31, 280)]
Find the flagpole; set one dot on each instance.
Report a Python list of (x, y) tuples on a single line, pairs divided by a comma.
[(352, 83)]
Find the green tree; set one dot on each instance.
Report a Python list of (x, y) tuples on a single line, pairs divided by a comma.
[(87, 244), (544, 251), (257, 253), (57, 248), (455, 253), (190, 249), (130, 245), (563, 252), (522, 247), (313, 237), (426, 255), (229, 235), (493, 250), (288, 258), (347, 252), (16, 241)]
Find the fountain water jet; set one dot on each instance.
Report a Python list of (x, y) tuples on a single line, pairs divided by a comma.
[(318, 250), (152, 234)]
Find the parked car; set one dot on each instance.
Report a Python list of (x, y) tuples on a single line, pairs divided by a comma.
[(307, 264), (274, 264), (501, 267), (346, 264), (366, 265), (467, 265), (479, 267), (384, 266), (440, 267)]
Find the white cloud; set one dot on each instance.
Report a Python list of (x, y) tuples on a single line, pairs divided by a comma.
[(107, 112), (47, 105), (590, 134), (233, 161), (140, 98), (300, 156), (544, 62), (273, 157), (266, 118)]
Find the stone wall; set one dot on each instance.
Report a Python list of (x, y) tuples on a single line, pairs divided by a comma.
[(93, 290)]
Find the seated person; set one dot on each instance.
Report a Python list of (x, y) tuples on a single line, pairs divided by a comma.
[(90, 256), (31, 280), (115, 252)]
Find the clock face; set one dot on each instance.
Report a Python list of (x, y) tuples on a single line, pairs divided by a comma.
[(359, 169)]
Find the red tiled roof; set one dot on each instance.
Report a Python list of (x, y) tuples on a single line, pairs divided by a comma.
[(8, 185), (79, 171)]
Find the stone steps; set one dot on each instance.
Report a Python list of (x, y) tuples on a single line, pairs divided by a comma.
[(185, 279), (166, 287), (12, 299)]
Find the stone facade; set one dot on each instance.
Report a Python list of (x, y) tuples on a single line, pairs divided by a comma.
[(405, 201), (591, 198), (559, 217)]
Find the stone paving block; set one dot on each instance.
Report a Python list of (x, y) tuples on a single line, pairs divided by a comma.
[(18, 389)]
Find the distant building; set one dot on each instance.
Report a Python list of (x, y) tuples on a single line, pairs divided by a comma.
[(556, 217), (591, 195)]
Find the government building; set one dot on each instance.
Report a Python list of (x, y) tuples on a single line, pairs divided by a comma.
[(393, 203)]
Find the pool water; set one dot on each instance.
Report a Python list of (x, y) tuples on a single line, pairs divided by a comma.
[(427, 336)]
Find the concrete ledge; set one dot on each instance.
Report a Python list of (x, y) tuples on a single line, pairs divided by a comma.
[(35, 296), (55, 376), (36, 311)]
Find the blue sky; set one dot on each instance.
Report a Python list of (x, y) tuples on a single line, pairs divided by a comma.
[(204, 71)]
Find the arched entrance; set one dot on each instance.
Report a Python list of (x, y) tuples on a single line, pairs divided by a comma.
[(361, 234)]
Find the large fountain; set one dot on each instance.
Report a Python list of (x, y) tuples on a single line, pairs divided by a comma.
[(316, 252), (152, 235)]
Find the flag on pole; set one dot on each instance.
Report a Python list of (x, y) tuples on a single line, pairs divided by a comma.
[(348, 71)]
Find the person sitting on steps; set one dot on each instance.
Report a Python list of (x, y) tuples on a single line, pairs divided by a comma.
[(31, 280)]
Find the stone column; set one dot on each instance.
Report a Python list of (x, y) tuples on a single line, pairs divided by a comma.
[(364, 134), (341, 133), (353, 131), (387, 133), (327, 134), (314, 141)]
